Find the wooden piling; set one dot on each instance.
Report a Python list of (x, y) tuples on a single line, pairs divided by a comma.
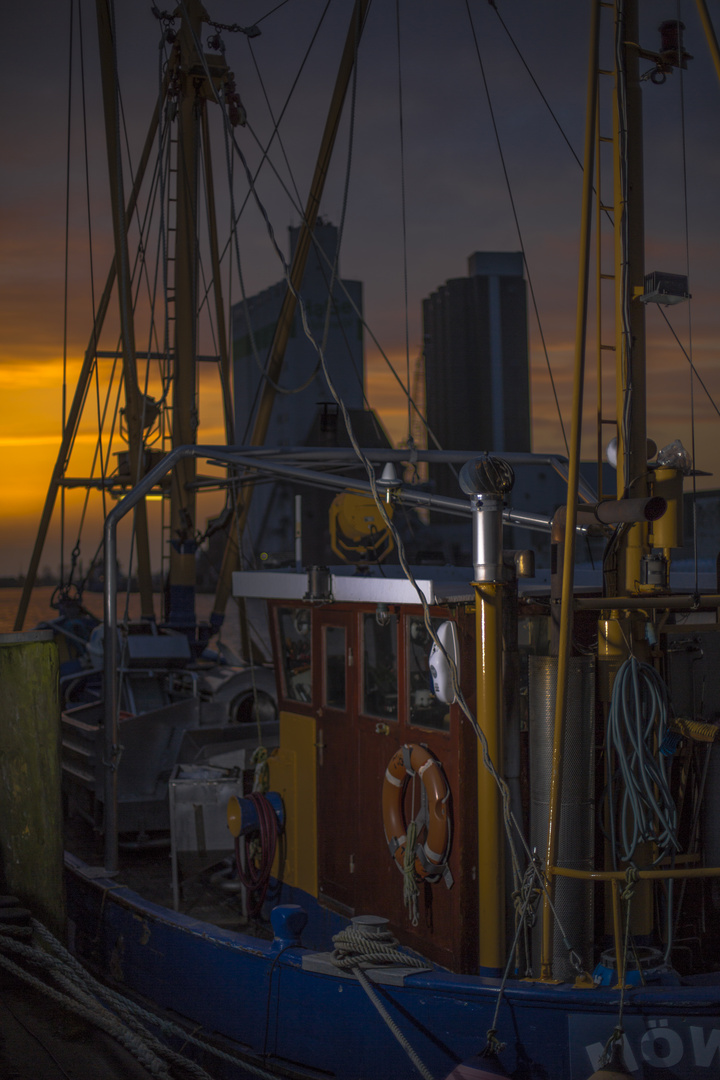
[(31, 838)]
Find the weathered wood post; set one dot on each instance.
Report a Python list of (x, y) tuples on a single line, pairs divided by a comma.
[(31, 840)]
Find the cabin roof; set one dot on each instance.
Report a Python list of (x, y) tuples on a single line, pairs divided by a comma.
[(451, 585)]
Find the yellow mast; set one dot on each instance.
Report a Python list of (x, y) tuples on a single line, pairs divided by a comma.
[(566, 616)]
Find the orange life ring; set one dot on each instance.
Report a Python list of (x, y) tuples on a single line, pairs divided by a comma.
[(432, 854)]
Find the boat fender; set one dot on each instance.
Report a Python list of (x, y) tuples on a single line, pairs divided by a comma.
[(431, 855), (480, 1067), (439, 662)]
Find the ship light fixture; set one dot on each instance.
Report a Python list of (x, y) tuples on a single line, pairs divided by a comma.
[(389, 482), (611, 451)]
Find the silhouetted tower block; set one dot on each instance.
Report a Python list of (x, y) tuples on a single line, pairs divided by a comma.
[(476, 360), (271, 520)]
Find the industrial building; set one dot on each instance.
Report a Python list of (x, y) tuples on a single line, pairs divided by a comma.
[(304, 393), (476, 360)]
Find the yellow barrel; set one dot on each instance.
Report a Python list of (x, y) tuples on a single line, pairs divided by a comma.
[(31, 839)]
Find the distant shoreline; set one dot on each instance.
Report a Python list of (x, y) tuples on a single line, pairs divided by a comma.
[(16, 583)]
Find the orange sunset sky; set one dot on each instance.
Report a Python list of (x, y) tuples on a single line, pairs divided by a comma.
[(452, 210)]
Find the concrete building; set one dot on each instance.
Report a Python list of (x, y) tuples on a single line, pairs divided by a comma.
[(271, 524), (476, 360)]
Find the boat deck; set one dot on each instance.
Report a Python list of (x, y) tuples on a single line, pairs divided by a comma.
[(148, 872)]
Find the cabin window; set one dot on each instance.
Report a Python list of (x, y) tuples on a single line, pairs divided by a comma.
[(334, 655), (425, 709), (295, 644), (380, 667)]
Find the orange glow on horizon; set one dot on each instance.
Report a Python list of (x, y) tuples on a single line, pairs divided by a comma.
[(30, 424)]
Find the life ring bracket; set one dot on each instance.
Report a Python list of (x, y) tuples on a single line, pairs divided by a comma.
[(431, 854)]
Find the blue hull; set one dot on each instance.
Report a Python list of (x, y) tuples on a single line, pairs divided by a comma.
[(255, 996)]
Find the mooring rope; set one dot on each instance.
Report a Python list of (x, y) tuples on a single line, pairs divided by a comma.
[(112, 1012), (356, 949)]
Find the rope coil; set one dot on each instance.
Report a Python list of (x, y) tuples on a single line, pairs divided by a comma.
[(356, 949)]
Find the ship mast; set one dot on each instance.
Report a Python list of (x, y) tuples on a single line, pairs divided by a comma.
[(192, 79), (133, 406), (629, 221), (624, 585), (183, 546)]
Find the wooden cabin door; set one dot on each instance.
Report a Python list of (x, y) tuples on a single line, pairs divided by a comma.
[(335, 651)]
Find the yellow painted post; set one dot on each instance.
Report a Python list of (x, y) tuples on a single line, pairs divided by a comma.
[(491, 846), (293, 774), (710, 35), (31, 841)]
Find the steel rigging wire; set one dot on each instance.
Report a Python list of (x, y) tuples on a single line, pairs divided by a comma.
[(687, 271), (322, 256), (511, 825), (404, 216), (516, 220)]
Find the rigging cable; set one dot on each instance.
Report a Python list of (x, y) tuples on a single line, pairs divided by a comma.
[(404, 215), (690, 339), (693, 369), (509, 820), (98, 445), (379, 502), (320, 252), (235, 218), (65, 298), (517, 222), (535, 83), (322, 256), (343, 211), (626, 358), (271, 12), (163, 128), (544, 100), (366, 327)]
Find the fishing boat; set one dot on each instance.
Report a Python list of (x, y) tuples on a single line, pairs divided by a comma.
[(482, 837)]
